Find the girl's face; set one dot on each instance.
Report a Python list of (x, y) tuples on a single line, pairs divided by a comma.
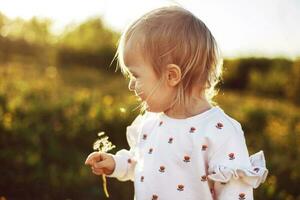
[(146, 85)]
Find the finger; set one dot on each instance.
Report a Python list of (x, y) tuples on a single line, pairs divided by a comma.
[(88, 159), (88, 162), (93, 157), (97, 171), (101, 164)]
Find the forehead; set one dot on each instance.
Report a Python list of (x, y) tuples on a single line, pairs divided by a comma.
[(133, 59)]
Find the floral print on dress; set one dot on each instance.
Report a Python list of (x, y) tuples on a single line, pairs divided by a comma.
[(256, 169), (192, 129), (204, 178), (160, 123), (170, 135), (231, 156), (219, 125), (144, 136), (186, 159), (162, 169), (150, 151), (204, 147), (180, 187), (242, 196), (154, 197)]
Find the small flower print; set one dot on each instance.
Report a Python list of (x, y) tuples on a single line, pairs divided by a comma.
[(144, 136), (162, 168), (242, 196), (150, 150), (154, 197), (256, 169), (219, 125), (231, 156), (160, 123), (129, 160), (192, 130), (180, 187), (204, 147), (142, 178), (187, 159), (170, 140), (204, 178)]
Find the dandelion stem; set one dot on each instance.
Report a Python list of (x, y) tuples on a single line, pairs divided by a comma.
[(103, 145)]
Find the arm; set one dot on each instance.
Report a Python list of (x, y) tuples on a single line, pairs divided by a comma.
[(233, 172), (125, 160)]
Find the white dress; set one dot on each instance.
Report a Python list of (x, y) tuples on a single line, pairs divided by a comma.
[(203, 157)]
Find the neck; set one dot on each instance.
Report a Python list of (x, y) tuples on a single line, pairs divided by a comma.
[(196, 105)]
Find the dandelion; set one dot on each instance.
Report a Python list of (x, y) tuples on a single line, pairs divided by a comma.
[(103, 145)]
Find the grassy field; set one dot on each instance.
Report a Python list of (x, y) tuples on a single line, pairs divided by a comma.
[(49, 118)]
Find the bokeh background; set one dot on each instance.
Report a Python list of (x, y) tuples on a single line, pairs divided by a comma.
[(57, 90)]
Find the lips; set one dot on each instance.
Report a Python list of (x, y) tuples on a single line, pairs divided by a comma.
[(138, 94)]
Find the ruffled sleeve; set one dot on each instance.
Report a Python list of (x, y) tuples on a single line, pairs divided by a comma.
[(125, 160), (254, 175), (234, 174)]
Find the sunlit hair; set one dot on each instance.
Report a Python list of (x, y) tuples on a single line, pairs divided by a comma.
[(173, 35)]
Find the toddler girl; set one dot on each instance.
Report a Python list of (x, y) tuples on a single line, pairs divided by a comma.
[(183, 146)]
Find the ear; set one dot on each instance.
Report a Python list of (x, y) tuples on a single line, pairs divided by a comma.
[(173, 73)]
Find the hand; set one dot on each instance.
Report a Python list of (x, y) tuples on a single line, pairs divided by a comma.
[(101, 163)]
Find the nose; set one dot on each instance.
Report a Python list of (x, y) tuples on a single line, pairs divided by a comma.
[(131, 85)]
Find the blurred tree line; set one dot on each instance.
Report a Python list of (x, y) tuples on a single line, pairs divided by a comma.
[(93, 44), (89, 43), (56, 94)]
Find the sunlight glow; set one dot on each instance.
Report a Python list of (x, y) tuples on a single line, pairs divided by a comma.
[(242, 28)]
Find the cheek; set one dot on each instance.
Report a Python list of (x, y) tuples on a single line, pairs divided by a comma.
[(159, 101), (165, 98)]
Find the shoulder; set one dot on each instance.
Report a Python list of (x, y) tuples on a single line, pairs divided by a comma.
[(220, 128), (142, 123), (220, 122), (142, 119), (225, 127), (226, 124)]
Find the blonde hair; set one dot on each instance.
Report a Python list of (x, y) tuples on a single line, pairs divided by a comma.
[(173, 35)]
